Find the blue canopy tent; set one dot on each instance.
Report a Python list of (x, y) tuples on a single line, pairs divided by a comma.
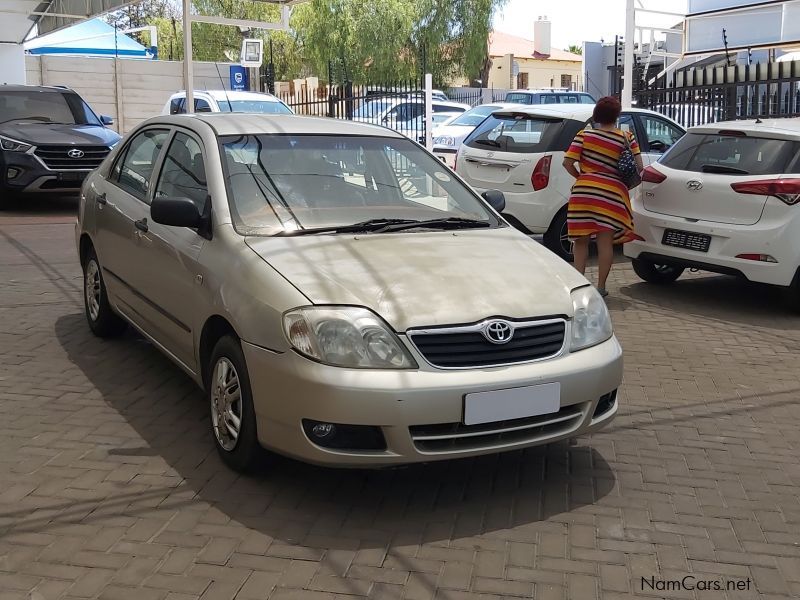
[(90, 38)]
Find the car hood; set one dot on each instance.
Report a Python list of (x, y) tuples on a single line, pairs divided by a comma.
[(426, 279), (454, 131), (41, 134)]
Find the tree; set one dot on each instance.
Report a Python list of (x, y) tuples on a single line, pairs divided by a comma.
[(575, 49)]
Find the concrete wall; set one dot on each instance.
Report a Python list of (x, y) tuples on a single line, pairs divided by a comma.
[(12, 64), (128, 90)]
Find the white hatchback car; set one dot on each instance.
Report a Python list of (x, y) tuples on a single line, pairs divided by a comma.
[(520, 150), (234, 101), (724, 199), (448, 137)]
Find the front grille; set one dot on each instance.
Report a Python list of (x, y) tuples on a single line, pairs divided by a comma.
[(455, 349), (454, 437), (56, 157)]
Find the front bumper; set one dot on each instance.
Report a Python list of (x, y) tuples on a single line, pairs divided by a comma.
[(775, 234), (288, 388), (30, 176)]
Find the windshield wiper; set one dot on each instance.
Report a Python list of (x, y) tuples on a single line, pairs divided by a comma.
[(446, 223), (371, 225), (492, 143), (723, 169)]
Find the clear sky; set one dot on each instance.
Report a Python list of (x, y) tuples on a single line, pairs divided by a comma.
[(577, 21)]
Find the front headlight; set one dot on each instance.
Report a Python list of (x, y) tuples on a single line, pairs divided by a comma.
[(345, 336), (444, 140), (13, 145), (591, 324)]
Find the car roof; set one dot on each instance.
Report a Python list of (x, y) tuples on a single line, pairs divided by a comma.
[(34, 88), (243, 124), (546, 91), (232, 95), (789, 127), (563, 111)]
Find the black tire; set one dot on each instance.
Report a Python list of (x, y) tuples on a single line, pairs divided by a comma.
[(555, 238), (103, 321), (652, 272), (793, 294), (242, 453)]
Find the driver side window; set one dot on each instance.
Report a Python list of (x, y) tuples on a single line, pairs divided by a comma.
[(660, 134)]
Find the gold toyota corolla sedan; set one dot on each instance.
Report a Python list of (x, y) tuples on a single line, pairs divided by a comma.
[(340, 294)]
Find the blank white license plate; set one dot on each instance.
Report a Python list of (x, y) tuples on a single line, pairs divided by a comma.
[(513, 403)]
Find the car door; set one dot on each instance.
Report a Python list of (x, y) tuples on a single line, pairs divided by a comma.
[(121, 206), (167, 273), (657, 135)]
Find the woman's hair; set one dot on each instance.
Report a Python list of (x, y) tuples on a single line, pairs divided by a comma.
[(606, 111)]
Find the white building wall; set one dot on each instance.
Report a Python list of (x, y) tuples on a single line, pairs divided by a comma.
[(12, 64)]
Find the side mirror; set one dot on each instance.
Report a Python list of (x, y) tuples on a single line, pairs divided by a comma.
[(106, 120), (496, 199), (176, 212)]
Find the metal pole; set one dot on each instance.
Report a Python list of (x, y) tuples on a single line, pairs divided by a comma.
[(188, 67), (630, 34), (428, 111)]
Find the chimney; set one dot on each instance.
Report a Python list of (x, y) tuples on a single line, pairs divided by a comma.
[(541, 38)]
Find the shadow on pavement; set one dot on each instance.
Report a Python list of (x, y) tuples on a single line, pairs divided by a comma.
[(719, 298), (325, 508)]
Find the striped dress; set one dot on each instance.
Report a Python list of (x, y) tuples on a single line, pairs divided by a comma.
[(599, 200)]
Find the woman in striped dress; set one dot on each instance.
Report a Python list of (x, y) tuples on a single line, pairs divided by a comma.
[(599, 206)]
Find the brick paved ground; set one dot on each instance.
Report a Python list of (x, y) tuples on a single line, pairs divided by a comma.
[(111, 488)]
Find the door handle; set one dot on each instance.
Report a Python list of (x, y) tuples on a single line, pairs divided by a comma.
[(141, 225), (101, 199)]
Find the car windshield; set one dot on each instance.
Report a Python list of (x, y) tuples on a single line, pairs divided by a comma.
[(733, 155), (289, 183), (372, 108), (253, 106), (474, 117), (46, 107)]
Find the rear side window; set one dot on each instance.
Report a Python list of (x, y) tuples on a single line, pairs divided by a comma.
[(732, 154), (523, 133), (518, 98)]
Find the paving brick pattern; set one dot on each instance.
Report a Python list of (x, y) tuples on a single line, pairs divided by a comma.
[(111, 489)]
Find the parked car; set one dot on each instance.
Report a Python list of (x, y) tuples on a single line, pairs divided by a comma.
[(49, 140), (416, 129), (341, 296), (519, 151), (227, 101), (724, 199), (548, 96), (448, 137), (397, 113)]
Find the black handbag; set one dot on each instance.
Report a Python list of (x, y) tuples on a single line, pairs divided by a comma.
[(628, 170)]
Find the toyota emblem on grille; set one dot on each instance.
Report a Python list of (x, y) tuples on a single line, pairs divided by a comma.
[(498, 332), (75, 153), (694, 185)]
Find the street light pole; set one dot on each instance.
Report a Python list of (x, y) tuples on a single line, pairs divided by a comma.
[(630, 33), (188, 67)]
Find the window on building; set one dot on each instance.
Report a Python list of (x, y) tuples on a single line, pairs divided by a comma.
[(522, 81), (566, 81)]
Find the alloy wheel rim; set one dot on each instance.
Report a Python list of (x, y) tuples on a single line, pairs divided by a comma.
[(563, 238), (226, 404), (663, 268), (92, 282)]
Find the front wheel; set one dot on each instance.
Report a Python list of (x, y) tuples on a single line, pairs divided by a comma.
[(653, 272), (556, 239), (233, 418)]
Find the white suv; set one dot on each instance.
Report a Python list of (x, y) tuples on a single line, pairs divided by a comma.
[(519, 151), (725, 199)]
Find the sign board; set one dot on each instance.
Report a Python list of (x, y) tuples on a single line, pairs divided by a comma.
[(252, 53), (746, 25), (239, 78)]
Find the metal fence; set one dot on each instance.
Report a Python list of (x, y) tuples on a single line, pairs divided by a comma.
[(699, 96), (398, 105)]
